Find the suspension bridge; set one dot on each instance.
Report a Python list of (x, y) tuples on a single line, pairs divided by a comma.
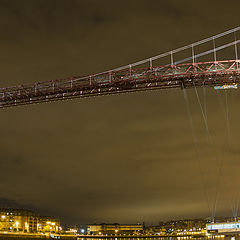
[(143, 75), (212, 62)]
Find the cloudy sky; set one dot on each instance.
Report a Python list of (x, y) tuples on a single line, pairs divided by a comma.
[(123, 158)]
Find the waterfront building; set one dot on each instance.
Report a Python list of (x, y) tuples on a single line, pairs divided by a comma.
[(18, 220), (21, 220), (114, 229), (155, 230), (224, 228), (177, 226), (72, 230), (48, 224)]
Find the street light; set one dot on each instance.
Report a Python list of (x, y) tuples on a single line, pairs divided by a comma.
[(17, 225)]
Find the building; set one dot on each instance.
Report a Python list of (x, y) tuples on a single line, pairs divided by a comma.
[(224, 228), (21, 220), (114, 229), (48, 224), (72, 230), (18, 220), (188, 226)]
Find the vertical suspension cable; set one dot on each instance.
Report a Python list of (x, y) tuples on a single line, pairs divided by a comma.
[(220, 165), (236, 48), (219, 161), (130, 71), (197, 157), (232, 208), (204, 117), (237, 207), (214, 52), (150, 63), (213, 208), (193, 59), (172, 62), (193, 55), (235, 201), (227, 117), (205, 101)]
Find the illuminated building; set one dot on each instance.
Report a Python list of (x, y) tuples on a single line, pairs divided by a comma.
[(225, 228), (114, 229), (18, 220), (48, 224), (71, 230), (21, 220)]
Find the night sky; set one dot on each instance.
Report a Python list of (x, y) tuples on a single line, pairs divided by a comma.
[(125, 158)]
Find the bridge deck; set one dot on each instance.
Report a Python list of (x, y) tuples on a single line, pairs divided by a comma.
[(128, 80)]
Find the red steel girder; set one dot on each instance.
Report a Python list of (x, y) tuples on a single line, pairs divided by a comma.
[(128, 80)]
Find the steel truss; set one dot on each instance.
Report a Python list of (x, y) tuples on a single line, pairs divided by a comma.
[(185, 75)]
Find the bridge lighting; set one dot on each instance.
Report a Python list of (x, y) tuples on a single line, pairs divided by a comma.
[(138, 79), (223, 228), (224, 87)]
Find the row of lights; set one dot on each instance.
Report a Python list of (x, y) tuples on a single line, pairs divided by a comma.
[(16, 224)]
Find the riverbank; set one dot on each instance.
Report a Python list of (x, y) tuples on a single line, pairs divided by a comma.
[(14, 236), (138, 236)]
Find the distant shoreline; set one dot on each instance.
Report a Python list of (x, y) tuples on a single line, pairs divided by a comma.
[(78, 237), (139, 236)]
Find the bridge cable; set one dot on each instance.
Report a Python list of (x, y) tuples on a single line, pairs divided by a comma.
[(208, 52), (227, 118), (225, 111), (236, 47), (179, 49), (197, 154), (205, 101), (236, 204), (204, 114), (196, 150), (238, 195), (235, 201), (219, 162), (202, 111)]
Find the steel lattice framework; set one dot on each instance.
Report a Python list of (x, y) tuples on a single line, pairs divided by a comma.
[(133, 78), (136, 79)]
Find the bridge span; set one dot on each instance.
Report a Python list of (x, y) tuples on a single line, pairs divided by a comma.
[(137, 79), (186, 73)]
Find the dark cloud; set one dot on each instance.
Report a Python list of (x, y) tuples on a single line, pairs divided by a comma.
[(123, 158), (9, 203)]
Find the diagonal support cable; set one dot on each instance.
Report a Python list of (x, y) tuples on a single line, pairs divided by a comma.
[(197, 154)]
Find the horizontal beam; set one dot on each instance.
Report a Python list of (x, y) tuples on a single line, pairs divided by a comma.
[(124, 81)]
